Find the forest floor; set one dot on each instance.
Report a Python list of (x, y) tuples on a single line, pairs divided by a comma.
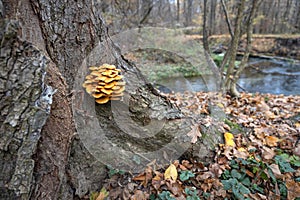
[(261, 163), (260, 157)]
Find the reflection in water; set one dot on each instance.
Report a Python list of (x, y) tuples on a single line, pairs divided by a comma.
[(264, 76)]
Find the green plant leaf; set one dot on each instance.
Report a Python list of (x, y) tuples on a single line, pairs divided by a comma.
[(282, 189), (165, 195), (295, 160), (246, 181), (244, 189), (236, 174), (264, 176), (185, 175), (226, 174), (257, 188), (227, 184), (234, 164), (284, 166)]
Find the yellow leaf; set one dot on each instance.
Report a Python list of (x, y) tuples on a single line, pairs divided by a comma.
[(229, 139), (171, 173)]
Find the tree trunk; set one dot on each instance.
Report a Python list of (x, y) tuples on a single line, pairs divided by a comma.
[(205, 28), (228, 82), (43, 154), (249, 33)]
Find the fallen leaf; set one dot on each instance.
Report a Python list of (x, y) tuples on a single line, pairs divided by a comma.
[(293, 189), (229, 139), (175, 188), (139, 195), (240, 153), (139, 177), (276, 171), (157, 181), (267, 153), (271, 141), (194, 133), (185, 165), (171, 173), (204, 176)]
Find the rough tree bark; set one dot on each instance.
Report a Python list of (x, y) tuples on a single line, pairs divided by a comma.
[(42, 157)]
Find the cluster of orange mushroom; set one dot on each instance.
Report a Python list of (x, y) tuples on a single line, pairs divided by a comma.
[(104, 83)]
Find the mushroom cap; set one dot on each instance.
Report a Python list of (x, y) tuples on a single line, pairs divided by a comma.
[(118, 77), (120, 83), (102, 100), (106, 91), (89, 77), (89, 89), (104, 83), (101, 83), (98, 95), (116, 87), (100, 78), (110, 85), (120, 90), (108, 80), (107, 72)]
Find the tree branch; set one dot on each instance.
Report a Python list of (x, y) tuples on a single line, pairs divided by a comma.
[(227, 18)]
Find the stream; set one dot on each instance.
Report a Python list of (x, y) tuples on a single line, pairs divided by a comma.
[(261, 75)]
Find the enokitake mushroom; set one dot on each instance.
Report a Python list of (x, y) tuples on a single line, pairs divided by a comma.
[(104, 83)]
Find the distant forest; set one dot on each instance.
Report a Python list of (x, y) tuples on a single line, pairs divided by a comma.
[(273, 17)]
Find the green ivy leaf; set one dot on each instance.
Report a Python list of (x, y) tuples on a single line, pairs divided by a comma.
[(185, 175), (236, 174), (226, 174), (246, 181), (165, 195), (257, 188), (244, 190), (284, 166), (234, 164), (227, 184)]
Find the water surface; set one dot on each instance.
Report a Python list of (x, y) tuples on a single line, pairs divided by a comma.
[(262, 75)]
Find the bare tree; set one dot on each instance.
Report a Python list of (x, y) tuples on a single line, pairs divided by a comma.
[(231, 74)]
